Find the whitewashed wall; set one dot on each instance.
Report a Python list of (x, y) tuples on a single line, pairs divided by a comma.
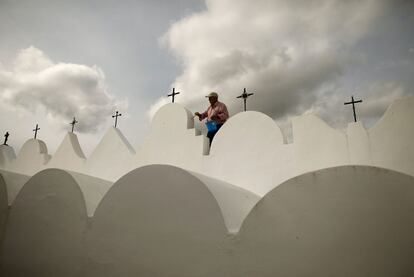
[(161, 220), (69, 155), (392, 138), (317, 145), (31, 159), (7, 155), (248, 151), (111, 158), (172, 140)]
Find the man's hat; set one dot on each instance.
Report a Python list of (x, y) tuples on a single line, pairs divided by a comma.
[(212, 94)]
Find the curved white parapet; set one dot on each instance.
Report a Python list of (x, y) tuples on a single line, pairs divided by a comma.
[(172, 140), (316, 145), (45, 228), (171, 117), (391, 139), (234, 202), (93, 189), (156, 221), (164, 221), (112, 158), (249, 151), (14, 183), (69, 155), (7, 156), (246, 131), (31, 159), (351, 220)]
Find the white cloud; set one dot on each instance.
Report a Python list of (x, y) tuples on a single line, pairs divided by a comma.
[(62, 90), (283, 51), (376, 98)]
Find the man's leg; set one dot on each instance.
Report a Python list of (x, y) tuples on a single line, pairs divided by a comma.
[(211, 135)]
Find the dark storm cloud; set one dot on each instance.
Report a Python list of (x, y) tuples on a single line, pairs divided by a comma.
[(284, 50), (292, 54)]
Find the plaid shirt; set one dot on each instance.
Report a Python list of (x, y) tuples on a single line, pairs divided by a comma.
[(219, 110)]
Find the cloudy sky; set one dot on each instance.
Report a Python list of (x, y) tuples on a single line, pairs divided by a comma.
[(60, 59)]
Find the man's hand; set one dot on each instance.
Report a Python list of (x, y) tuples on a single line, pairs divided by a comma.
[(198, 115)]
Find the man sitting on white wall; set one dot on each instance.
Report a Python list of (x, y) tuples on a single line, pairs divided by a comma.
[(216, 115)]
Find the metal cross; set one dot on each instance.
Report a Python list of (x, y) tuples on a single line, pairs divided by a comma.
[(6, 137), (245, 95), (73, 123), (35, 130), (173, 94), (353, 102), (116, 117)]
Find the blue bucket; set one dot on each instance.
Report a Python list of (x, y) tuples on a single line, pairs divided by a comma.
[(211, 126)]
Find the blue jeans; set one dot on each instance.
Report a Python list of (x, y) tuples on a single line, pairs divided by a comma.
[(211, 135)]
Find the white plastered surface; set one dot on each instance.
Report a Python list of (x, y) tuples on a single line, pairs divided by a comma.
[(249, 150)]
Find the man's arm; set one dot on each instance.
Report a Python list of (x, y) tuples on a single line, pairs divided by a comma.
[(201, 116)]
